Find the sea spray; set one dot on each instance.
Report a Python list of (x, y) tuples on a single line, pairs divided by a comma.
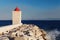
[(51, 35)]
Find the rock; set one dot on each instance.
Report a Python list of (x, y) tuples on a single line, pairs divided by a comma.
[(4, 38), (27, 32)]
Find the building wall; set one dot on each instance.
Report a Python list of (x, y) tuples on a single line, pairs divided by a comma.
[(16, 17)]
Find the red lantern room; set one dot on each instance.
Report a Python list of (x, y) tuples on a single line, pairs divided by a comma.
[(16, 9)]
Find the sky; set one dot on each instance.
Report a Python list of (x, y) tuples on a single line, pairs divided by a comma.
[(31, 9)]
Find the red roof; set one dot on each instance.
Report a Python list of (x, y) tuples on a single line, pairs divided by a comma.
[(16, 9)]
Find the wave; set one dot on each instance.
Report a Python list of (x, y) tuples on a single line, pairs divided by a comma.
[(53, 34)]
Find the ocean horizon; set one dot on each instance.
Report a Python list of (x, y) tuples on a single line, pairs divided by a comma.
[(44, 24), (52, 27)]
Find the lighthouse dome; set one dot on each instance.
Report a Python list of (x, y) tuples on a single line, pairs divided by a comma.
[(16, 9)]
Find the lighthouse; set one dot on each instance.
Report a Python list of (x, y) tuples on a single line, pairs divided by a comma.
[(16, 16)]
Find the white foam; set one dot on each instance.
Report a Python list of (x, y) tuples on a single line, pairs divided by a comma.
[(52, 34)]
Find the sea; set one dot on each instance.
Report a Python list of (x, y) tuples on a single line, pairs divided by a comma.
[(52, 27)]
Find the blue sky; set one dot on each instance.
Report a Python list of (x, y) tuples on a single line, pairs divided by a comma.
[(31, 9)]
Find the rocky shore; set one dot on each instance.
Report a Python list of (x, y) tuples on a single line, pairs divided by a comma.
[(24, 32)]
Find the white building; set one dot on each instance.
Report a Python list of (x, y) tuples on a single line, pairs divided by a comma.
[(16, 16)]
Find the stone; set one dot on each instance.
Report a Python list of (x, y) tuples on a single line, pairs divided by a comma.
[(27, 32)]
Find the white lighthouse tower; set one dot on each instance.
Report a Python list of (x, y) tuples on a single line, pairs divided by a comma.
[(16, 16)]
